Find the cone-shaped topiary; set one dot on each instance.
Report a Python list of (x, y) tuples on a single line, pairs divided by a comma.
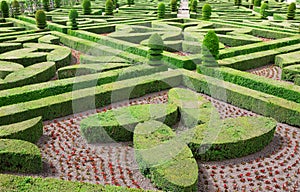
[(156, 45), (291, 11), (109, 7), (263, 11), (210, 49), (15, 8), (161, 9), (206, 11), (73, 15), (40, 18), (173, 4), (4, 9), (57, 3), (257, 3), (194, 5), (86, 7), (46, 5)]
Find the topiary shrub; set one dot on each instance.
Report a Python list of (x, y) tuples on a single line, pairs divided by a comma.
[(73, 15), (291, 11), (40, 18), (257, 3), (161, 9), (210, 49), (57, 3), (173, 4), (194, 6), (263, 12), (4, 9), (86, 7), (130, 2), (109, 7), (46, 5), (206, 12), (156, 45), (15, 8)]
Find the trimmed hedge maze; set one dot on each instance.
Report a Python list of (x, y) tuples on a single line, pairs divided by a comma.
[(79, 100)]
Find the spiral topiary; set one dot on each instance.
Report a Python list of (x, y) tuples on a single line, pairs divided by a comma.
[(73, 15), (15, 8), (57, 3), (86, 7), (206, 11), (210, 49), (257, 3), (46, 5), (173, 4), (194, 5), (263, 12), (40, 18), (156, 45), (161, 9), (109, 7), (4, 9), (291, 11)]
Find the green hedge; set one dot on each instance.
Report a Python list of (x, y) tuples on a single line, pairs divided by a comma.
[(118, 124), (11, 183), (19, 156), (269, 86), (49, 39), (30, 130), (168, 162), (232, 138), (291, 73), (8, 67), (85, 59), (287, 59), (5, 47)]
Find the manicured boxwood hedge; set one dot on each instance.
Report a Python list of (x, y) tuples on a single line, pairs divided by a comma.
[(5, 47), (287, 59), (167, 161), (118, 124), (8, 67), (291, 73), (232, 138), (19, 156), (30, 130)]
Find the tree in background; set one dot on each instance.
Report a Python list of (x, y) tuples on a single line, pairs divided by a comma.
[(194, 5), (57, 3), (210, 49), (161, 10), (206, 12), (130, 2), (257, 3), (73, 15), (263, 10), (109, 7), (15, 8), (86, 7), (40, 18), (156, 46), (4, 9), (46, 5), (291, 11), (173, 4), (238, 2)]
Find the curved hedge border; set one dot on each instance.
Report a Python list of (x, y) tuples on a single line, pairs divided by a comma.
[(30, 130), (8, 67), (291, 73), (19, 156), (119, 124), (235, 138), (168, 162)]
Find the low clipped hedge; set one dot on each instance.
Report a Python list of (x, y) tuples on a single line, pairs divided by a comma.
[(291, 73), (19, 156), (167, 161), (5, 47), (86, 59), (232, 138), (49, 39), (38, 184), (30, 130), (8, 67), (287, 59), (118, 124)]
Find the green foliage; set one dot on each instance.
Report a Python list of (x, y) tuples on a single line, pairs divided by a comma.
[(210, 49), (156, 45), (194, 6), (257, 3), (206, 11), (4, 9), (57, 3), (109, 7), (130, 2), (40, 18), (73, 15), (15, 8), (263, 12), (238, 2), (86, 6), (46, 5), (161, 9), (291, 11), (173, 4)]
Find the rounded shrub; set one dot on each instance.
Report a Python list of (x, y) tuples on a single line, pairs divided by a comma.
[(263, 12), (194, 5), (46, 5), (109, 7), (4, 9), (291, 11), (15, 8), (161, 9), (156, 45), (86, 7), (40, 18), (210, 49), (57, 3), (257, 3), (206, 11), (173, 4), (73, 15)]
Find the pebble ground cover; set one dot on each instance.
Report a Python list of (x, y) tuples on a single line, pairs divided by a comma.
[(63, 76)]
